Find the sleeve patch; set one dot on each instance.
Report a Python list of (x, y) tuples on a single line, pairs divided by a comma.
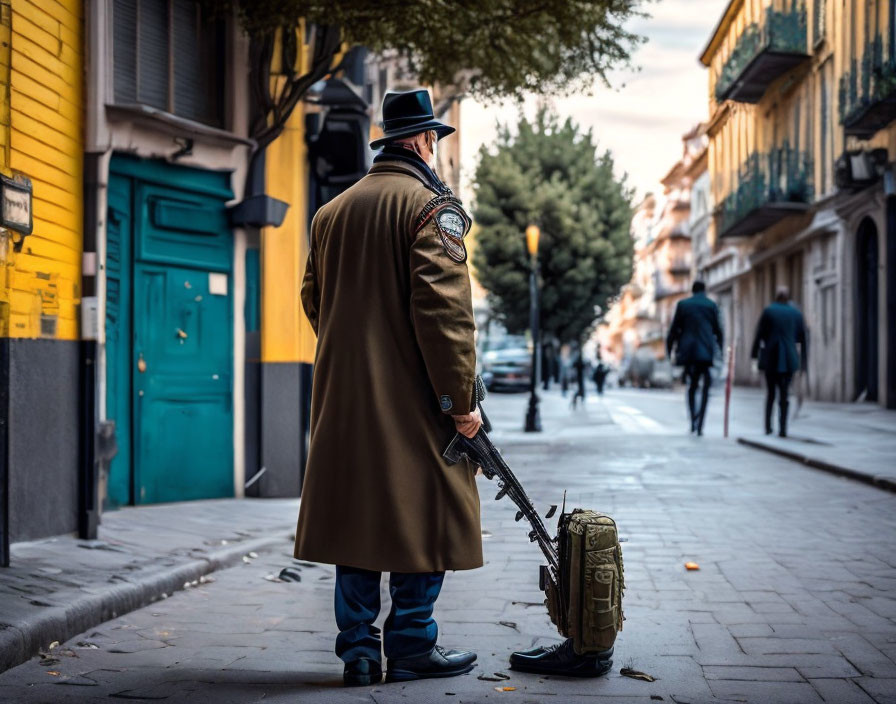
[(451, 227), (446, 403), (451, 221)]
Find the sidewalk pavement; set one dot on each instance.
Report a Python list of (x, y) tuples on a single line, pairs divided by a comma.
[(856, 440), (58, 587), (794, 601)]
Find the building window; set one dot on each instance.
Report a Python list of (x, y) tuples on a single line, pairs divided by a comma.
[(818, 10), (168, 54)]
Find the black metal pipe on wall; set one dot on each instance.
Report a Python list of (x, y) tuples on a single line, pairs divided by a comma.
[(4, 452), (88, 470)]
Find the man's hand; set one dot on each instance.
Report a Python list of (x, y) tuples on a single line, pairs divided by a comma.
[(468, 424)]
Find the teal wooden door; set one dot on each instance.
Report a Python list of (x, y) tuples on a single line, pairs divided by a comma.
[(180, 356)]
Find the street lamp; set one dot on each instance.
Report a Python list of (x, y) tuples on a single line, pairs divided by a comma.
[(533, 419)]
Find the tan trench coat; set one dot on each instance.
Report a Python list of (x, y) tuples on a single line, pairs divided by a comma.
[(394, 319)]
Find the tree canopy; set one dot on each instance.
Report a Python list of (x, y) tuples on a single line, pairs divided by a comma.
[(495, 48), (551, 174)]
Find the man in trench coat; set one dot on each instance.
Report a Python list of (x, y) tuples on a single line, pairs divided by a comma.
[(781, 328), (387, 292), (696, 333)]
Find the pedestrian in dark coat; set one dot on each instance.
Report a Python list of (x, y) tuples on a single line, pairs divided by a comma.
[(696, 334), (580, 366), (600, 373), (387, 292), (781, 328)]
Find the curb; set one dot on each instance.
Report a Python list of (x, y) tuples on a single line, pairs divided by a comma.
[(20, 641), (878, 481)]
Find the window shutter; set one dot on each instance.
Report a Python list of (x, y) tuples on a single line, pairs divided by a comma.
[(189, 88), (124, 50), (198, 63), (152, 53)]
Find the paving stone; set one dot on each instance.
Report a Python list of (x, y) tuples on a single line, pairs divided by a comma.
[(883, 691), (866, 657), (753, 674), (775, 646), (801, 692), (837, 691)]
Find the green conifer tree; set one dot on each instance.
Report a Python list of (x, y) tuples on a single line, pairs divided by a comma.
[(550, 173)]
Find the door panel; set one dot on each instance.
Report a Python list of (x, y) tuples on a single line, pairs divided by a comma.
[(183, 228), (182, 384), (118, 335)]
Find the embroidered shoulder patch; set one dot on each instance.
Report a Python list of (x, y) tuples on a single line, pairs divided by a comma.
[(446, 403), (451, 231), (451, 222)]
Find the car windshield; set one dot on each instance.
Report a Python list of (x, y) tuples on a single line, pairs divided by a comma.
[(509, 342)]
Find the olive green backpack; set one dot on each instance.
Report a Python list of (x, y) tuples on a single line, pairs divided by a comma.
[(585, 602)]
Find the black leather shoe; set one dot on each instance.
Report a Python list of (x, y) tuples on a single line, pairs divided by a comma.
[(438, 663), (363, 672), (561, 659)]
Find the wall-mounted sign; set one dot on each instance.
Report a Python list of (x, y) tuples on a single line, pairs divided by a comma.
[(15, 204)]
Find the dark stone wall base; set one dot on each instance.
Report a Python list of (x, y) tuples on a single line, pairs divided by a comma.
[(281, 428), (43, 438)]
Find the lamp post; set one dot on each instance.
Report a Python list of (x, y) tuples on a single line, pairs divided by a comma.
[(533, 418)]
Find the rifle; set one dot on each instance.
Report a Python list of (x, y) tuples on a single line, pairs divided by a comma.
[(481, 451)]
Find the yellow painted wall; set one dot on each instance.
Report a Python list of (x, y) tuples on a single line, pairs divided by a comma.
[(41, 137), (286, 335)]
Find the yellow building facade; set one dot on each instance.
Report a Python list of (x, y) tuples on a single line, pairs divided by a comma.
[(801, 147), (41, 149)]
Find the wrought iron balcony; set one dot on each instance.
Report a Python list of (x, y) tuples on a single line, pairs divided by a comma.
[(763, 53), (680, 266), (868, 92), (770, 187)]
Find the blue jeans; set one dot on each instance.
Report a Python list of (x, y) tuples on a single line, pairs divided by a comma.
[(409, 630)]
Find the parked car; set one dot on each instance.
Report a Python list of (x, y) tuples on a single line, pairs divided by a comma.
[(643, 370), (507, 363)]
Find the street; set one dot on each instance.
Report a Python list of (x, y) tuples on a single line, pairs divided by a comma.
[(794, 601)]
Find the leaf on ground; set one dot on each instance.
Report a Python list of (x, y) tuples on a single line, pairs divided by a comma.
[(290, 574), (55, 673), (46, 662), (691, 566), (495, 677), (636, 674)]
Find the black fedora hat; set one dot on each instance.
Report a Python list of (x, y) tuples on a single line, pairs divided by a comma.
[(407, 114)]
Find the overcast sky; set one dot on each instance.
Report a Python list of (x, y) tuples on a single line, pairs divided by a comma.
[(641, 119)]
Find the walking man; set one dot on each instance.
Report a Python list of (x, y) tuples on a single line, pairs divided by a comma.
[(387, 292), (695, 334), (600, 373), (580, 366), (781, 328)]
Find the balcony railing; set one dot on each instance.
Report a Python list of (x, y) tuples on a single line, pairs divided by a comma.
[(763, 53), (868, 92), (770, 187), (680, 266)]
